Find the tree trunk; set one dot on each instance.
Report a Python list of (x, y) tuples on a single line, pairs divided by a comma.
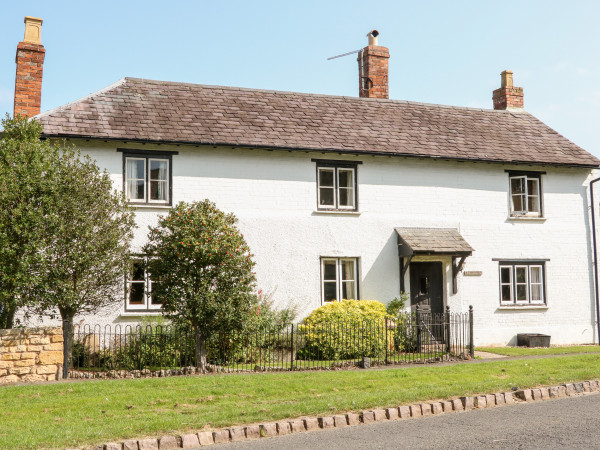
[(7, 316), (200, 349), (67, 317)]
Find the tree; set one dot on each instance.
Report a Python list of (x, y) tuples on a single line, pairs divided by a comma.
[(71, 234), (26, 170), (202, 271)]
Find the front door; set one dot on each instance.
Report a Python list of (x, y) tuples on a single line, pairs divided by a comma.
[(426, 289)]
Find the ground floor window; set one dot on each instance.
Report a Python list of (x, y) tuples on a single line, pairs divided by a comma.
[(522, 283), (339, 279), (138, 289)]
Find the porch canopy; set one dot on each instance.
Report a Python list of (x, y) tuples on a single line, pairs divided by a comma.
[(432, 241)]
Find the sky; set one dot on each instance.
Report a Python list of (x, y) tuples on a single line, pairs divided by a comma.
[(443, 52)]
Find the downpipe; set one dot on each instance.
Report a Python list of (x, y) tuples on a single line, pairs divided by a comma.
[(595, 258)]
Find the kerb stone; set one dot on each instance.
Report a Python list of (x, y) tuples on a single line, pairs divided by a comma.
[(436, 408), (404, 412), (447, 406), (392, 413), (457, 404), (524, 394), (268, 429), (340, 421), (148, 444), (467, 403), (480, 401), (168, 443), (490, 400), (415, 411), (237, 434), (379, 414), (326, 422), (283, 428), (206, 438), (252, 431), (130, 445), (189, 441), (297, 426), (425, 409), (536, 394), (220, 436), (353, 418), (367, 416), (499, 399), (311, 424)]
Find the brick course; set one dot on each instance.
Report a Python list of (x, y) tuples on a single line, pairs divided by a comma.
[(28, 79)]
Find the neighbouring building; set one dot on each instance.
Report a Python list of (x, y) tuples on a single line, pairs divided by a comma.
[(362, 198)]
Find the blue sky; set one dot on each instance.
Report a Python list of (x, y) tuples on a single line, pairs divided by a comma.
[(441, 51)]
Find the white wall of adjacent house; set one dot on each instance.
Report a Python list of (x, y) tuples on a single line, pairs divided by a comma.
[(274, 195)]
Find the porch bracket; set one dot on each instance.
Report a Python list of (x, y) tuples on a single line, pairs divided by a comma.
[(457, 267), (403, 268)]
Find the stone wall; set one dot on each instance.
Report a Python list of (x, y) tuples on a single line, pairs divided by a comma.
[(31, 354)]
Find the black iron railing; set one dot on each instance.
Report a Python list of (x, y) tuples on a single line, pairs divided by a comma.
[(161, 350)]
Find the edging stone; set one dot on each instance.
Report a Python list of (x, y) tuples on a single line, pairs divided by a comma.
[(272, 429)]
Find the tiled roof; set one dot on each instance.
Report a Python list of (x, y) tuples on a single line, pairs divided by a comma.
[(432, 240), (137, 109)]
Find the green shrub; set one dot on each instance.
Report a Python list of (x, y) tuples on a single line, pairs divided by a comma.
[(349, 329), (405, 336)]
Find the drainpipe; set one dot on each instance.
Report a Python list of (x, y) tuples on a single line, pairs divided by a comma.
[(595, 258)]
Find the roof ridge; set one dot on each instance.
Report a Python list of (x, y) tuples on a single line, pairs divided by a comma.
[(309, 94)]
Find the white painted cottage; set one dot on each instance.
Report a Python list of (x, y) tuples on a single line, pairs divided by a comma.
[(346, 197)]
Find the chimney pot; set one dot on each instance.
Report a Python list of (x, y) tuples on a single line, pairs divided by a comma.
[(33, 30)]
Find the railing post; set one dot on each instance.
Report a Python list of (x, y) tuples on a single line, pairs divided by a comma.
[(418, 319), (471, 345), (385, 327), (292, 352), (447, 325), (66, 340)]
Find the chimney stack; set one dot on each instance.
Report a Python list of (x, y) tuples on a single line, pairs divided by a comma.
[(30, 66), (508, 96), (373, 69)]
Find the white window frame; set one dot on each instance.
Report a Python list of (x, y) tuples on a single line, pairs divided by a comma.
[(528, 266), (331, 167), (525, 211), (147, 157), (147, 305), (149, 189), (127, 179), (338, 277)]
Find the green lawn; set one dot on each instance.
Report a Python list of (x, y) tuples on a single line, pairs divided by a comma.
[(524, 351), (78, 413)]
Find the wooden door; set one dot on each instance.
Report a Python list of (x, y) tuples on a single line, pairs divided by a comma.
[(426, 288)]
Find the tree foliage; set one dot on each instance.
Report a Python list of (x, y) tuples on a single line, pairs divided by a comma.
[(202, 271), (64, 231)]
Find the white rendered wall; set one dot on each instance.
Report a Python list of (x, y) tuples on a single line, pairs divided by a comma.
[(273, 193)]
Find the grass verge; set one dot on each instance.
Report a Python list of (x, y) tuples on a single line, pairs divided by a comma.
[(72, 414), (524, 351)]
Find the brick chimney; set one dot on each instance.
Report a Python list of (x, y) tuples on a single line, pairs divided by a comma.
[(30, 65), (508, 96), (373, 69)]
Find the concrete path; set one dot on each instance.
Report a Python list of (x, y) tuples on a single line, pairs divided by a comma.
[(553, 424)]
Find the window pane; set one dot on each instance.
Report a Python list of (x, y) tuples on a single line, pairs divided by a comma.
[(517, 185), (326, 197), (348, 290), (533, 203), (136, 293), (154, 299), (521, 274), (326, 177), (533, 186), (329, 270), (506, 293), (135, 169), (137, 272), (536, 274), (158, 190), (346, 197), (521, 292), (536, 292), (329, 291), (345, 178), (348, 270), (135, 189), (159, 170), (518, 202), (505, 274)]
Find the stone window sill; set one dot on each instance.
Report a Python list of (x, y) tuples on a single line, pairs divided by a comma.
[(336, 212), (140, 313), (522, 307), (526, 219)]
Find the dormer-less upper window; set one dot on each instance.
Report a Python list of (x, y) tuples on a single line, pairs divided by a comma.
[(525, 194), (337, 185), (147, 177)]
